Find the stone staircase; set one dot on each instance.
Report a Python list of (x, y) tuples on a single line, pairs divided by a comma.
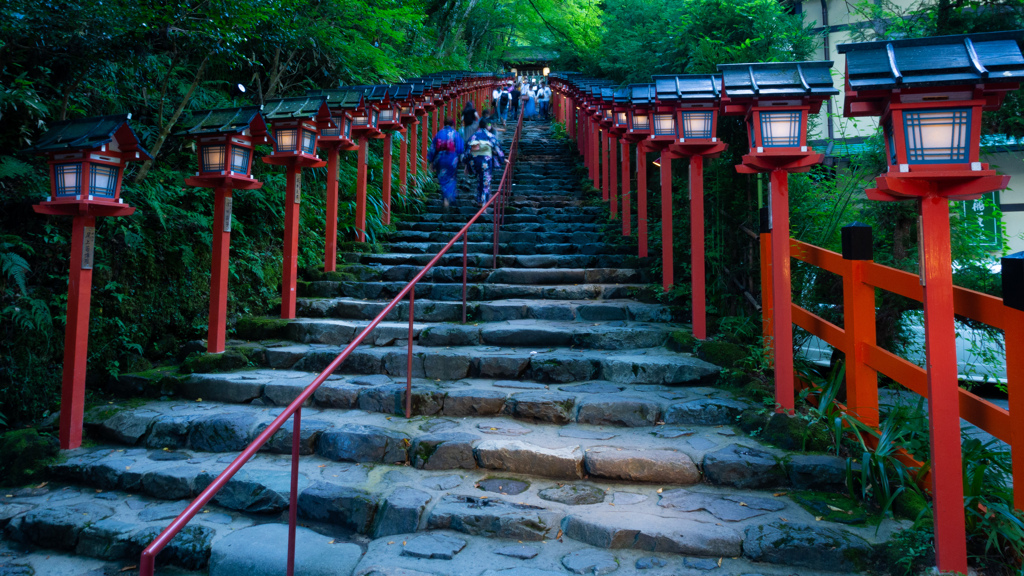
[(554, 433)]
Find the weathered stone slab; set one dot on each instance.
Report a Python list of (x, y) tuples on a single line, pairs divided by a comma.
[(493, 518), (400, 512), (251, 552), (573, 494), (729, 507), (358, 443), (666, 466), (444, 451), (554, 407), (473, 402), (586, 561), (434, 546), (344, 506), (653, 533), (743, 467), (222, 432), (517, 456), (816, 547), (817, 472), (705, 412), (607, 410)]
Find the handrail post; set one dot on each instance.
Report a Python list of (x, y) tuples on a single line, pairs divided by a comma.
[(1013, 300), (408, 360), (859, 324), (293, 497), (465, 258)]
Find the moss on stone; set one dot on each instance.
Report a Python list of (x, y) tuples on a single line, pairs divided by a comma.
[(837, 508), (207, 363), (24, 455), (683, 341), (909, 505), (260, 328), (752, 421), (796, 433), (724, 354), (153, 383)]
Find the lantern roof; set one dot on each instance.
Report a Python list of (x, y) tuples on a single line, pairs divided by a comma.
[(686, 87), (88, 134), (400, 92), (226, 121), (622, 95), (936, 61), (608, 94), (373, 92), (344, 98), (312, 107), (641, 94), (778, 80)]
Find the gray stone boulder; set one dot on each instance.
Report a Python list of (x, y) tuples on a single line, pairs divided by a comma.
[(705, 412), (263, 551), (665, 466), (434, 546), (523, 458), (587, 561), (817, 472), (573, 494), (400, 512), (811, 546), (553, 407), (344, 506), (444, 451), (494, 518), (222, 432), (743, 467), (358, 443), (606, 410), (640, 531), (473, 402)]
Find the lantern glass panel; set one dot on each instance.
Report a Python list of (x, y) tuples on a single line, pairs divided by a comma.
[(387, 115), (697, 124), (69, 179), (335, 130), (360, 120), (781, 129), (664, 125), (373, 118), (102, 180), (287, 140), (641, 122), (213, 158), (607, 114), (309, 142), (937, 136), (620, 118), (240, 159), (348, 127)]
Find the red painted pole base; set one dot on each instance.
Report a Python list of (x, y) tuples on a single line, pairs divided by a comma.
[(943, 393), (76, 335), (219, 255), (782, 290), (331, 235), (289, 268)]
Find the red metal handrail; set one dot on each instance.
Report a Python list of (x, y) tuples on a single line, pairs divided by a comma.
[(147, 562)]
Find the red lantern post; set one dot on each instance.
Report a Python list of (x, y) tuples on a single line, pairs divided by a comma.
[(224, 140), (364, 127), (335, 139), (775, 100), (296, 124), (698, 98), (663, 136), (620, 127), (930, 94), (87, 160), (641, 103)]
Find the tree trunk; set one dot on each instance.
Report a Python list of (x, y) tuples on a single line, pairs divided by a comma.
[(166, 130)]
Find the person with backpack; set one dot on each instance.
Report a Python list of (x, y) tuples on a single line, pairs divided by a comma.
[(486, 155), (504, 104), (445, 151), (517, 94), (544, 100)]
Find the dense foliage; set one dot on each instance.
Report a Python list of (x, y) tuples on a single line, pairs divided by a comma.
[(159, 61)]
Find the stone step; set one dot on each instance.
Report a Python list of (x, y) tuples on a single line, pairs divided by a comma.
[(517, 248), (554, 365), (123, 497), (597, 403), (504, 237), (510, 309), (453, 291), (213, 433), (486, 260), (536, 227), (605, 335), (509, 218), (529, 276)]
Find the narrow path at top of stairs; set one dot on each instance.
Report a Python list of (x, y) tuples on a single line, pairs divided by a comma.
[(555, 432)]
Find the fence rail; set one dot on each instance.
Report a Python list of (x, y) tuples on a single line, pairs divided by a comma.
[(865, 359), (147, 561)]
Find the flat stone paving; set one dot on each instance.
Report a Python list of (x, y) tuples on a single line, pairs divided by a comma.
[(554, 434)]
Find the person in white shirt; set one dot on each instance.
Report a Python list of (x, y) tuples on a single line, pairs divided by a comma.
[(495, 95), (544, 100)]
